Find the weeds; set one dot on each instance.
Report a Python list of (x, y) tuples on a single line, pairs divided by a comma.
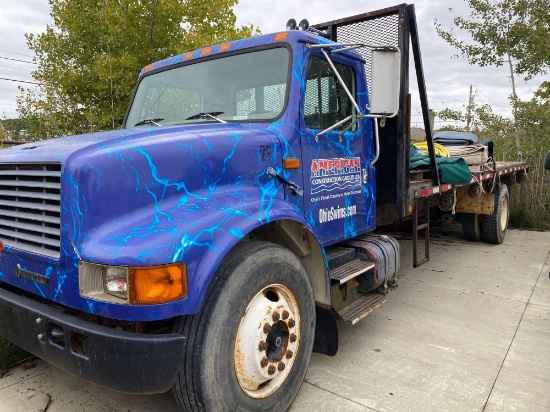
[(530, 201), (10, 354)]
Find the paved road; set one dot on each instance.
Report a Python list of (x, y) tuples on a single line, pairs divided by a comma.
[(468, 331)]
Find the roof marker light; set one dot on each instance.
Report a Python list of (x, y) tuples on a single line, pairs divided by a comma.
[(291, 24), (224, 47), (148, 67), (188, 56), (206, 51), (281, 36)]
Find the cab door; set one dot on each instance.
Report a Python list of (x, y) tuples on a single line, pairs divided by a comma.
[(339, 184)]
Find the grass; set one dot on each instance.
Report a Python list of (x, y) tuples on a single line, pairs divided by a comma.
[(11, 354), (530, 201)]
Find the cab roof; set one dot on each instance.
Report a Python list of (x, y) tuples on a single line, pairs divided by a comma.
[(290, 37)]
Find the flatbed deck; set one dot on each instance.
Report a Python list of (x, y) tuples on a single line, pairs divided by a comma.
[(425, 188)]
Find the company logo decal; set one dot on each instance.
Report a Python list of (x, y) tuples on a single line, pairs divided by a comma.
[(328, 215), (328, 175)]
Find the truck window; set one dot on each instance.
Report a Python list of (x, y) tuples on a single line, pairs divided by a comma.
[(171, 102), (326, 102), (239, 87), (261, 99)]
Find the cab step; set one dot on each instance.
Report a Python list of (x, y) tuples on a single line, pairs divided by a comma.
[(338, 256), (362, 307), (350, 270)]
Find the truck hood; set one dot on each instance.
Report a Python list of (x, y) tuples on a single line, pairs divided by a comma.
[(130, 183), (61, 149)]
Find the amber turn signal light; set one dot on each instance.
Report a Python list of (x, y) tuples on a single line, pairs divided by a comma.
[(157, 284), (292, 163)]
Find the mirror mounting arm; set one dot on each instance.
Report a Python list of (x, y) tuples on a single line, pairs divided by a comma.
[(354, 117)]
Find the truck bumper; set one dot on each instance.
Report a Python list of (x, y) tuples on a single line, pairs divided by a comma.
[(118, 360)]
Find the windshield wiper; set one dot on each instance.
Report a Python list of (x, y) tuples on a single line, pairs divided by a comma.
[(207, 115), (150, 121)]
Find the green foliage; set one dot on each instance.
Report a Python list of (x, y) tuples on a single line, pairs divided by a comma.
[(11, 129), (501, 30), (89, 58), (10, 354)]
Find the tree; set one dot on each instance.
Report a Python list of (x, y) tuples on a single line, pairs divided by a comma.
[(505, 31), (89, 58)]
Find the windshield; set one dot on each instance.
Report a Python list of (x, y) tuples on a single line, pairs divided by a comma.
[(244, 87)]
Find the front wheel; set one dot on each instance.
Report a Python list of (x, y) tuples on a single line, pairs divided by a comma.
[(249, 347)]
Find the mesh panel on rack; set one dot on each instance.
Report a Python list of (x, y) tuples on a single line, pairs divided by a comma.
[(378, 31)]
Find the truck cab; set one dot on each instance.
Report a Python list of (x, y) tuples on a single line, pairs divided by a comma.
[(285, 93)]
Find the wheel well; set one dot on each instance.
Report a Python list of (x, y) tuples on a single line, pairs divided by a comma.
[(300, 241)]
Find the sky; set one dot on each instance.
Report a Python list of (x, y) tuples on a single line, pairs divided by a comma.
[(448, 79)]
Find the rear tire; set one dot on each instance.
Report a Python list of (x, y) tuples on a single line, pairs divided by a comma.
[(232, 360), (471, 226), (495, 225)]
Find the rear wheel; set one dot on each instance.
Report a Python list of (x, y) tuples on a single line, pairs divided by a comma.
[(249, 347), (471, 226), (495, 225)]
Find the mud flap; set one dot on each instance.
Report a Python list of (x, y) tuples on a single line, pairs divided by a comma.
[(326, 332)]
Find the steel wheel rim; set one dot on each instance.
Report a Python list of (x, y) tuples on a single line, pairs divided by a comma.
[(504, 214), (267, 341)]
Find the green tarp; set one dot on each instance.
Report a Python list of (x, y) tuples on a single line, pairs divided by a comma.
[(451, 169)]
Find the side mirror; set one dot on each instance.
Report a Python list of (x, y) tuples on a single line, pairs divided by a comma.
[(547, 161), (385, 81)]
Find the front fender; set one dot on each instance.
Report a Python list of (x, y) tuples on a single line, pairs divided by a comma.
[(199, 235)]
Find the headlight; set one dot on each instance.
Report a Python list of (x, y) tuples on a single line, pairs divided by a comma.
[(134, 285)]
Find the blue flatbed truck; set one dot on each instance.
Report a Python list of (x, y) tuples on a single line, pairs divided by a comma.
[(209, 245)]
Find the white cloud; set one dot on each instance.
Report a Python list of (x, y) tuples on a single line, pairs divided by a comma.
[(447, 78)]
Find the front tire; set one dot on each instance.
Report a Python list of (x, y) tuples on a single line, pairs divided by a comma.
[(249, 347), (495, 225)]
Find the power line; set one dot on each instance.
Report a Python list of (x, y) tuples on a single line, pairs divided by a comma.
[(19, 81), (16, 60), (20, 54), (433, 81), (14, 68), (504, 110)]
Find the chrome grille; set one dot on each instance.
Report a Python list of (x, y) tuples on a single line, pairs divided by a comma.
[(30, 206)]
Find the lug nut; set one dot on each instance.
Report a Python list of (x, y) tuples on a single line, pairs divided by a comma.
[(285, 314), (41, 338), (281, 366), (293, 337), (276, 316), (264, 362), (38, 321), (262, 346), (291, 323), (271, 369), (289, 354), (267, 328)]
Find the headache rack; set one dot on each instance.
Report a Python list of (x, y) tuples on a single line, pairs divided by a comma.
[(394, 26)]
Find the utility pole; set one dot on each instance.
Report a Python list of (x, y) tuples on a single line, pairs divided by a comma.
[(514, 110), (469, 111)]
